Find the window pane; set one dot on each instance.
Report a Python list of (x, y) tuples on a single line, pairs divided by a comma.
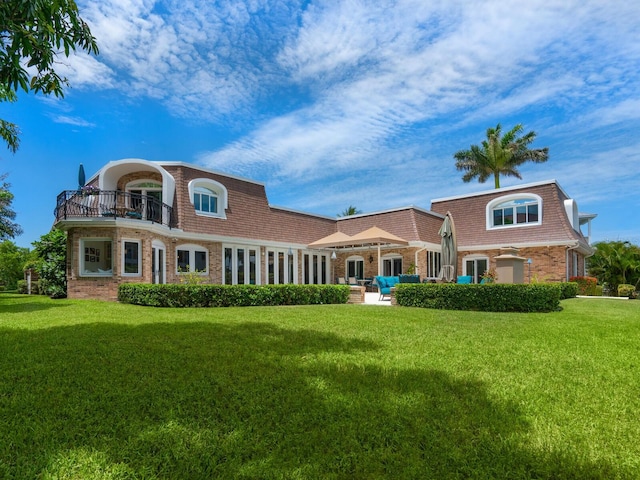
[(201, 261), (471, 270), (323, 263), (281, 272), (205, 202), (228, 258), (213, 205), (482, 267), (533, 212), (271, 268), (131, 256), (95, 257), (497, 217), (240, 266), (306, 269), (521, 214), (315, 269), (196, 201), (508, 216), (397, 266), (252, 266), (183, 260)]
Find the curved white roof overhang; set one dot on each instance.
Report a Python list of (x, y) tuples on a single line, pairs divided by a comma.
[(110, 174)]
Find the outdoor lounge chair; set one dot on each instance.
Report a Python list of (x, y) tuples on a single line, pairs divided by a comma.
[(464, 279)]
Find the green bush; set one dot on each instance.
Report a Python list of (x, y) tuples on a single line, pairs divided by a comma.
[(569, 290), (586, 285), (626, 290), (541, 297), (190, 295), (599, 291), (24, 288)]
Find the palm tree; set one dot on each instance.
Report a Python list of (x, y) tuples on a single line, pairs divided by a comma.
[(615, 263), (499, 155), (350, 210)]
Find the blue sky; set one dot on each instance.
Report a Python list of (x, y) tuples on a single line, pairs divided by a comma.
[(332, 104)]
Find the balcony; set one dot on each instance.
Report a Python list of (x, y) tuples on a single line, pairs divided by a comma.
[(113, 204)]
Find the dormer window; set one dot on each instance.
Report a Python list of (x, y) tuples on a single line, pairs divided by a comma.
[(514, 210), (205, 200), (208, 197)]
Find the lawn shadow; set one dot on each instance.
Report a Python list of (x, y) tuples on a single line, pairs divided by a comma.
[(253, 400)]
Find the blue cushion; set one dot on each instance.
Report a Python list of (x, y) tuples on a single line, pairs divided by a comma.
[(381, 281), (464, 279)]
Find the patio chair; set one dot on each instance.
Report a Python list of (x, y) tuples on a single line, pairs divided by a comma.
[(341, 281), (464, 279), (353, 281)]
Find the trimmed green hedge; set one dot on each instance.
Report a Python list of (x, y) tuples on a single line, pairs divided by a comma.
[(180, 295), (493, 297)]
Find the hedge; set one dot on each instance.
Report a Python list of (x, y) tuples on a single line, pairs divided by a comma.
[(181, 295), (494, 297)]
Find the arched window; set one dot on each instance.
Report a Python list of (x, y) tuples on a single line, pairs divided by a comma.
[(205, 200), (208, 197), (514, 210)]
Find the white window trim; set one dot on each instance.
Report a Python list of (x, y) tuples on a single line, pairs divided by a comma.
[(474, 257), (122, 269), (217, 187), (234, 263), (81, 255), (307, 267), (391, 257), (192, 249), (287, 263), (507, 198), (353, 258)]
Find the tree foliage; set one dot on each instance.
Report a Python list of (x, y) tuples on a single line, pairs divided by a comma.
[(51, 250), (350, 210), (8, 228), (12, 261), (615, 263), (499, 155), (33, 35)]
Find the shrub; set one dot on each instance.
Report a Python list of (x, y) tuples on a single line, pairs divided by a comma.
[(568, 290), (491, 297), (626, 290), (194, 295), (586, 285)]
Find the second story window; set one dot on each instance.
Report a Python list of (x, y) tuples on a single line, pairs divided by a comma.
[(517, 210), (209, 198), (205, 200)]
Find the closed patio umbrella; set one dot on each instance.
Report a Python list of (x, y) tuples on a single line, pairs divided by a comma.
[(81, 177), (449, 258)]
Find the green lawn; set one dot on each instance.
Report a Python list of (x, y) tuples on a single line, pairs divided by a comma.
[(95, 390)]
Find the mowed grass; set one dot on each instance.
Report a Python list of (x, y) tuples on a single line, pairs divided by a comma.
[(97, 390)]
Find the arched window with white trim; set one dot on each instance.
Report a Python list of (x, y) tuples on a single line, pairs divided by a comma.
[(518, 210), (208, 197)]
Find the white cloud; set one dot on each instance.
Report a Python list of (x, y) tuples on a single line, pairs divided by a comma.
[(75, 121)]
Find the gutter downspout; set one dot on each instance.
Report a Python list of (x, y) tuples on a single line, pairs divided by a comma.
[(566, 262), (415, 261)]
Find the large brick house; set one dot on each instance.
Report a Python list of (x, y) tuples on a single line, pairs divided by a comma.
[(152, 222)]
